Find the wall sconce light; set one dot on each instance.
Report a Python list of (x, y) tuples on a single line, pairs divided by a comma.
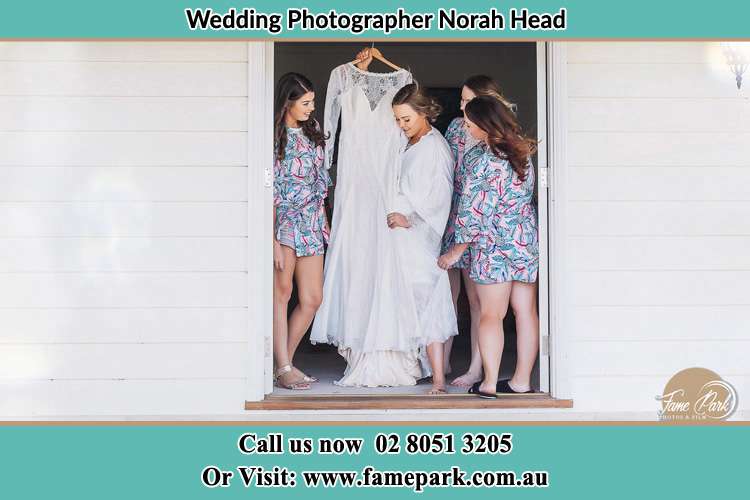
[(738, 58)]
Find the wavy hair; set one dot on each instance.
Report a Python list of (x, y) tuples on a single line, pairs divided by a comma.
[(483, 85), (504, 135), (290, 88)]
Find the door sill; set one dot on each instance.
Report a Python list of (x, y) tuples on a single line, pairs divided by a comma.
[(406, 402)]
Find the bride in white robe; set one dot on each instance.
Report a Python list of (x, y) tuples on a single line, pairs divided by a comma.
[(420, 211)]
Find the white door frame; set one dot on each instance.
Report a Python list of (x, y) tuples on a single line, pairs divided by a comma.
[(551, 58), (259, 220)]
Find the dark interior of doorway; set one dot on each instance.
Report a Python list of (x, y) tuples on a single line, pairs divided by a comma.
[(440, 67)]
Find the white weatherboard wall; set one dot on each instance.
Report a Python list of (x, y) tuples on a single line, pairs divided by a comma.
[(123, 228), (657, 222)]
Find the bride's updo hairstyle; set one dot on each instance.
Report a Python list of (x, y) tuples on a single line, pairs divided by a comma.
[(420, 102), (504, 135)]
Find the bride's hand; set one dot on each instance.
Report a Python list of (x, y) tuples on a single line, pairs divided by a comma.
[(365, 58), (396, 219)]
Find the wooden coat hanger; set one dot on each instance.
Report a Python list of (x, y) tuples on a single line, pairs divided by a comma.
[(377, 55)]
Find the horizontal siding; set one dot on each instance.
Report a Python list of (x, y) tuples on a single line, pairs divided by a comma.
[(114, 184), (648, 253), (592, 114), (123, 361), (197, 79), (642, 52), (679, 183), (123, 228), (632, 393), (668, 148), (674, 323), (658, 204), (119, 255), (123, 113), (658, 218), (654, 80), (126, 219), (108, 290), (123, 148), (122, 325), (660, 288), (659, 357), (121, 397), (124, 52)]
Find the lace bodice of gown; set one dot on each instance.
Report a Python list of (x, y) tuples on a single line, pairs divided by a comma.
[(374, 86)]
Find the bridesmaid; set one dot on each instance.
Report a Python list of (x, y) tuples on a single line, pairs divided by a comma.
[(462, 144), (496, 221), (300, 228)]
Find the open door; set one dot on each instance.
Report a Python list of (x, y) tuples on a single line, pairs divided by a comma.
[(260, 219), (542, 207)]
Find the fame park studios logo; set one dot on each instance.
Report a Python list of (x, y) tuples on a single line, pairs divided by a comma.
[(697, 394)]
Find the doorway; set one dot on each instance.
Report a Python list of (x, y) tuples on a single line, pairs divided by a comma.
[(520, 69)]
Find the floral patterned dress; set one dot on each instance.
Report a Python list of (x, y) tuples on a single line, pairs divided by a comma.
[(462, 144), (300, 187), (497, 217)]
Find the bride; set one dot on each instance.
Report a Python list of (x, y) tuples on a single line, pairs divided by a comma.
[(422, 202)]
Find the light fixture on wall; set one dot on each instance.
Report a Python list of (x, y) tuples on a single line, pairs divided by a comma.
[(738, 58)]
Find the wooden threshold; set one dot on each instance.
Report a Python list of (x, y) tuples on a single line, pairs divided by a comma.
[(406, 402)]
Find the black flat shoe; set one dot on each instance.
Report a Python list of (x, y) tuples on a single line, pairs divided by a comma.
[(504, 387), (474, 389)]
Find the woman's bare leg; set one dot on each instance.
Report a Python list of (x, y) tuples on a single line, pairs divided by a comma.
[(523, 300), (493, 304), (454, 276), (308, 275), (282, 291), (474, 373), (435, 355)]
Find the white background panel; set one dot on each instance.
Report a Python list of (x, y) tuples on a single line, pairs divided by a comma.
[(124, 290), (659, 183), (123, 219), (111, 184), (642, 218), (660, 288), (660, 253), (118, 51), (123, 148), (123, 325), (122, 397), (121, 361), (123, 254), (199, 79), (123, 113), (726, 357), (655, 323)]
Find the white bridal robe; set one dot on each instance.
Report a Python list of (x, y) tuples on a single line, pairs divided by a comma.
[(424, 191), (368, 310)]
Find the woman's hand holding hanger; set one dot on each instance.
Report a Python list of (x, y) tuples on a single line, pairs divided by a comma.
[(365, 58)]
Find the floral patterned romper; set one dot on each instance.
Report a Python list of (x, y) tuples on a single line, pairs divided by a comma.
[(462, 144), (496, 216), (300, 187)]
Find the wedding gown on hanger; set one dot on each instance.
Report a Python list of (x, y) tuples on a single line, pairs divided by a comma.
[(367, 311)]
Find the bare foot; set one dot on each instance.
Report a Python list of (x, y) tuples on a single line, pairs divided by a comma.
[(467, 379), (290, 381), (519, 387), (437, 390)]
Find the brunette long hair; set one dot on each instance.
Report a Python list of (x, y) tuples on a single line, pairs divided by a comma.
[(504, 135), (483, 85), (290, 88)]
